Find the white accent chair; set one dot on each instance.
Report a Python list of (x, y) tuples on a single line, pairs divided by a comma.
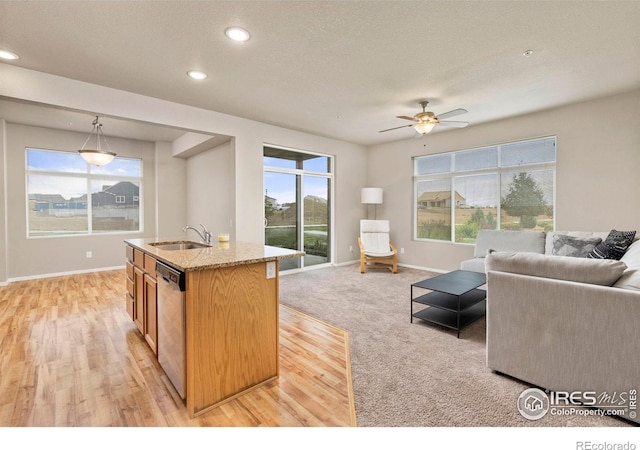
[(376, 249)]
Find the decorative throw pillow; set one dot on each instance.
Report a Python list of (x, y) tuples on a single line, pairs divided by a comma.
[(614, 246), (565, 245)]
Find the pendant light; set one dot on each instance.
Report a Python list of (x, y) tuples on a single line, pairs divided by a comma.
[(96, 156)]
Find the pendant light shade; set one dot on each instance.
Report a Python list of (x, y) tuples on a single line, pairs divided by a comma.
[(96, 156)]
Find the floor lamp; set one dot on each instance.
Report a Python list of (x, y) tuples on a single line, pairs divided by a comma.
[(371, 196)]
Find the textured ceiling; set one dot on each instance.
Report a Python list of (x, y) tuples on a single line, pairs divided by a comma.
[(342, 69)]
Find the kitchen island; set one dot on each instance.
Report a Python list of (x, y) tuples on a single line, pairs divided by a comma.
[(230, 314)]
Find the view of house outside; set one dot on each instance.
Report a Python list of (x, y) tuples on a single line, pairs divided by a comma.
[(507, 187), (67, 196)]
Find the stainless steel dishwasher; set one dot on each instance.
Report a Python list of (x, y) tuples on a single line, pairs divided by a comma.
[(171, 325)]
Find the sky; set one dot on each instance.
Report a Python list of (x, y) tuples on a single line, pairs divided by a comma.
[(282, 186), (66, 173)]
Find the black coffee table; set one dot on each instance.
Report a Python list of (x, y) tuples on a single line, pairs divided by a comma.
[(454, 301)]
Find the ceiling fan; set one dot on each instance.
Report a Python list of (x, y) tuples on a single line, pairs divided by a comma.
[(425, 121)]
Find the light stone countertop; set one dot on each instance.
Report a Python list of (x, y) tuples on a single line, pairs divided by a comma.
[(219, 254)]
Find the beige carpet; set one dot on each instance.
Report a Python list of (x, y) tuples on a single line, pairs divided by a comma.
[(412, 374)]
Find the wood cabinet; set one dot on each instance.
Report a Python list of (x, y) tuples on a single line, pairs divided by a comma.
[(231, 333), (141, 294), (138, 284), (130, 297), (151, 314), (229, 317)]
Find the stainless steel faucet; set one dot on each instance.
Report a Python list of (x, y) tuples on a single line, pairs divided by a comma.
[(205, 236)]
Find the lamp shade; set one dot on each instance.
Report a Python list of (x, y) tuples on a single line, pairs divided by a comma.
[(371, 196)]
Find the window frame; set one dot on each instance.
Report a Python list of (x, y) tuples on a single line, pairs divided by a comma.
[(301, 173), (89, 177), (499, 170)]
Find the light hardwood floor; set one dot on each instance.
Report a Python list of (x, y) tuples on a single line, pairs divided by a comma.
[(70, 356)]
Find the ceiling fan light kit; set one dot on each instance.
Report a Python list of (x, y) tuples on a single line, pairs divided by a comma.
[(425, 121), (424, 127)]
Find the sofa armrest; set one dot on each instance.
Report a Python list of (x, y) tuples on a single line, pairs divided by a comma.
[(563, 335), (604, 272)]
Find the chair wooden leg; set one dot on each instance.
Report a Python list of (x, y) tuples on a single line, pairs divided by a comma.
[(361, 264)]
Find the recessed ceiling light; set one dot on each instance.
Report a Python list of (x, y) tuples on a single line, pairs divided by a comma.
[(197, 75), (237, 34), (6, 54)]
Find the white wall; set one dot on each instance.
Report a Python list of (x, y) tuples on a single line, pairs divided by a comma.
[(591, 193), (211, 191), (171, 191), (597, 187), (3, 203), (249, 138), (46, 255)]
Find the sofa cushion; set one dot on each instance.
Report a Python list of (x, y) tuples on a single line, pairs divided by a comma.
[(515, 241), (548, 249), (614, 246), (604, 272), (565, 245)]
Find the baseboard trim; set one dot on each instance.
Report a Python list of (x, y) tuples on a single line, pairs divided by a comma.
[(347, 263), (60, 274), (408, 266), (427, 269)]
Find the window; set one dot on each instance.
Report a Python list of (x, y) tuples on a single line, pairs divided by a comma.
[(67, 196), (507, 187), (297, 204)]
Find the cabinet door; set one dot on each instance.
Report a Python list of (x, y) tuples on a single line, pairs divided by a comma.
[(130, 295), (138, 258), (150, 265), (138, 283), (129, 252), (151, 323)]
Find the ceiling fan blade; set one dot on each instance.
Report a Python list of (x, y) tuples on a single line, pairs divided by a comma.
[(453, 124), (389, 129), (406, 118), (453, 113)]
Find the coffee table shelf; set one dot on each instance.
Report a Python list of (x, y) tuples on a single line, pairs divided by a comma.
[(454, 301)]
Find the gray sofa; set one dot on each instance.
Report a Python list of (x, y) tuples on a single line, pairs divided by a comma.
[(559, 322)]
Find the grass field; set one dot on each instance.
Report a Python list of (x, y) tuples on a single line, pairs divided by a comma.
[(435, 223), (285, 237), (43, 224)]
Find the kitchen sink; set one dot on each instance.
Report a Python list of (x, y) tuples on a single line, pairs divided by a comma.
[(178, 245)]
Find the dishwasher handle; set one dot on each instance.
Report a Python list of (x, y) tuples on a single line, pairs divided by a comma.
[(171, 275)]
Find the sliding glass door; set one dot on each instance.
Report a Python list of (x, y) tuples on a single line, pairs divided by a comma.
[(281, 193), (297, 205), (316, 220)]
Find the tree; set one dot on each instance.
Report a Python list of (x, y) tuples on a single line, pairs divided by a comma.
[(268, 207), (487, 222), (525, 199)]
